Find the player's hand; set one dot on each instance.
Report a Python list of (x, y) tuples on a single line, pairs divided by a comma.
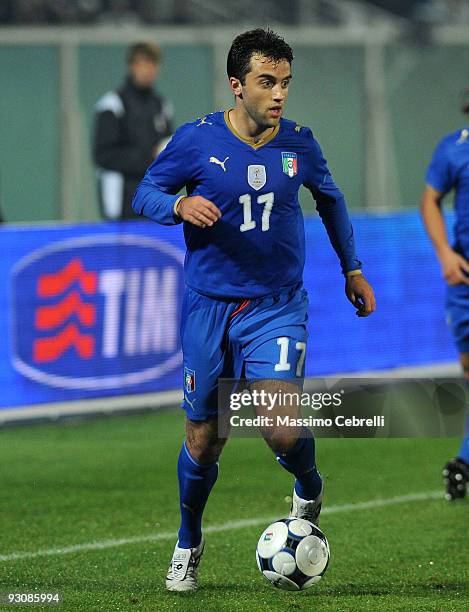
[(454, 267), (360, 293), (199, 211)]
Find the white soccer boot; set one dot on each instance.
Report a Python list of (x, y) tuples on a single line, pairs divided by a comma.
[(182, 572), (306, 509)]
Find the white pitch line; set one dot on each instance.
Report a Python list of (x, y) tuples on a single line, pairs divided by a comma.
[(228, 526)]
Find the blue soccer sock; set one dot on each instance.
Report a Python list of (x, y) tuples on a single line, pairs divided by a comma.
[(464, 452), (195, 483), (301, 461)]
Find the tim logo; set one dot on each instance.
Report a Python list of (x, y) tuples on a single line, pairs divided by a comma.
[(97, 312), (68, 307)]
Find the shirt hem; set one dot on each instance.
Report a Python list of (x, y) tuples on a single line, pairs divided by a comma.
[(241, 297)]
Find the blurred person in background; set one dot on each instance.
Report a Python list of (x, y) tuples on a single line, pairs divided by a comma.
[(131, 125), (449, 169)]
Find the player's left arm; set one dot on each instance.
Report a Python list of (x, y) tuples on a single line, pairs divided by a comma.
[(332, 209)]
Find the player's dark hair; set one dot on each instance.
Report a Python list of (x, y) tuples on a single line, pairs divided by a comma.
[(259, 41), (148, 50)]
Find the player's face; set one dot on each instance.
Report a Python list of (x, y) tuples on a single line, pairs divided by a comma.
[(265, 90), (143, 71)]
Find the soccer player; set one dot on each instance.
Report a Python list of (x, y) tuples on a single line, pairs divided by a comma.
[(245, 308), (449, 169)]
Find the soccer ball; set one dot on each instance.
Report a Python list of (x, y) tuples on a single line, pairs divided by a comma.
[(293, 554)]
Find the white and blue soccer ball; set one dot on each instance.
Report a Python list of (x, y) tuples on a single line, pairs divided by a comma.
[(293, 554)]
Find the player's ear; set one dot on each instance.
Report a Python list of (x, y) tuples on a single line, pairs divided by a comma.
[(235, 86)]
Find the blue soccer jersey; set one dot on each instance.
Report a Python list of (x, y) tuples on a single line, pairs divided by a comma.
[(258, 245), (449, 169)]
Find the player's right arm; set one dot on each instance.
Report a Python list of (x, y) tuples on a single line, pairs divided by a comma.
[(175, 167), (453, 266), (440, 179)]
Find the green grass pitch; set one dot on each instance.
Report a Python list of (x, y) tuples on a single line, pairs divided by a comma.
[(115, 478)]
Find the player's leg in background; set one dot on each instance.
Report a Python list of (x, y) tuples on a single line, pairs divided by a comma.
[(464, 450), (456, 471)]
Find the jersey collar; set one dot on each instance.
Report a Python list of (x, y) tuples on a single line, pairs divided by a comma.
[(248, 141)]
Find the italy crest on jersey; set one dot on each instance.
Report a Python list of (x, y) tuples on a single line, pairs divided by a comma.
[(290, 164), (189, 380)]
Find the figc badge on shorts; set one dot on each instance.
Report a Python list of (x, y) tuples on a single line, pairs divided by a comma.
[(289, 164), (256, 176), (189, 380)]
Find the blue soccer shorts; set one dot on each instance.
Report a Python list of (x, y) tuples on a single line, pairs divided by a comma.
[(262, 338), (457, 315)]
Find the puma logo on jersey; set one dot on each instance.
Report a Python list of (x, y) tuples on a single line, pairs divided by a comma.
[(204, 121), (191, 404), (214, 160)]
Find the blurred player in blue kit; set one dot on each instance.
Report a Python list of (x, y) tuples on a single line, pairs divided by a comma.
[(245, 308), (449, 169)]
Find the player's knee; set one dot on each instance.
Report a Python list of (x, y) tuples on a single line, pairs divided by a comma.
[(204, 455), (281, 442), (202, 441)]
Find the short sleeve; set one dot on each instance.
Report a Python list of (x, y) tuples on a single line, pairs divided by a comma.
[(440, 172)]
